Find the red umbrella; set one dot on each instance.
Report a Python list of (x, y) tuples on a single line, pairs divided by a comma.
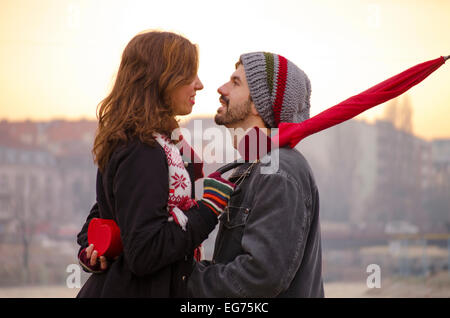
[(292, 133)]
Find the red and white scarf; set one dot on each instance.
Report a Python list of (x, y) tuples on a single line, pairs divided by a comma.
[(180, 186)]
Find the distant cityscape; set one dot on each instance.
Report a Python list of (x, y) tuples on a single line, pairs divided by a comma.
[(375, 180)]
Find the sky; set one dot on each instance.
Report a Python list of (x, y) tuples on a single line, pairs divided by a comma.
[(58, 58)]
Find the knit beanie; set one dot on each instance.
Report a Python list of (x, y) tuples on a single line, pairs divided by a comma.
[(279, 89)]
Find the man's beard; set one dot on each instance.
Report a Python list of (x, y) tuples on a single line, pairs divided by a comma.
[(233, 114)]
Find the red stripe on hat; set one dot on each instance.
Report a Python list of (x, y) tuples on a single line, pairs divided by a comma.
[(281, 86)]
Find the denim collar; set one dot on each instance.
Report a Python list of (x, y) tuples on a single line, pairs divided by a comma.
[(243, 171)]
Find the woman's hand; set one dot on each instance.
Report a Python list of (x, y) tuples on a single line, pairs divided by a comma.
[(88, 258), (92, 256)]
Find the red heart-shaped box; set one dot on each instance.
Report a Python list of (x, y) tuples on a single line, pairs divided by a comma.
[(105, 235)]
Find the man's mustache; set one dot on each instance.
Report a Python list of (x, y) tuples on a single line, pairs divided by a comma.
[(224, 100)]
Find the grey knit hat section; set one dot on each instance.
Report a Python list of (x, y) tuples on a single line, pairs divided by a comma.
[(297, 92), (255, 72), (296, 103)]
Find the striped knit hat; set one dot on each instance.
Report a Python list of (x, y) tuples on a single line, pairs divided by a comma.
[(280, 90)]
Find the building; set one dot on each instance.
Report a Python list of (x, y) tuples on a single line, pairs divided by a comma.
[(47, 177)]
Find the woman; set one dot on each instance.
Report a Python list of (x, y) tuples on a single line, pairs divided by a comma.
[(142, 183)]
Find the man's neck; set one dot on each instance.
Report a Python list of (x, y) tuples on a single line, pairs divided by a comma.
[(239, 130), (239, 133)]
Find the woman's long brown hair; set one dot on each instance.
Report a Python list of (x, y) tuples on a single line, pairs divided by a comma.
[(153, 65)]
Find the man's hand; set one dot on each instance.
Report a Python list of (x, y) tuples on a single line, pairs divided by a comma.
[(217, 192)]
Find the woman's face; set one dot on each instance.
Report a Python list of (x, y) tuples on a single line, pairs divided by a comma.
[(183, 98)]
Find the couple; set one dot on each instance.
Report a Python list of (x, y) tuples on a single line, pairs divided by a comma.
[(268, 244)]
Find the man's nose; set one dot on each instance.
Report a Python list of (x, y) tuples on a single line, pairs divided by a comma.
[(222, 90)]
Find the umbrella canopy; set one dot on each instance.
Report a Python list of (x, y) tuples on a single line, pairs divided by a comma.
[(292, 133)]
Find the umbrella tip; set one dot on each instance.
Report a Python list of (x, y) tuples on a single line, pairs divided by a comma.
[(446, 57)]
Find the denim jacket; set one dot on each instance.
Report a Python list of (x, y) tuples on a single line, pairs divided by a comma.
[(268, 244)]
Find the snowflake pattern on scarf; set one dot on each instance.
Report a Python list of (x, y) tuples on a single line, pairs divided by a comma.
[(179, 181), (180, 186)]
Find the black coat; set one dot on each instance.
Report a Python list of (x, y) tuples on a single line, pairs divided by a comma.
[(158, 255)]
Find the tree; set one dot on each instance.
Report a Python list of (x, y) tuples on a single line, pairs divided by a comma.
[(25, 205)]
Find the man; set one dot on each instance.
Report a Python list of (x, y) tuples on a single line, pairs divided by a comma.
[(268, 244)]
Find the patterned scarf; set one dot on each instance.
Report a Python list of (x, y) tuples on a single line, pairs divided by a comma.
[(180, 186)]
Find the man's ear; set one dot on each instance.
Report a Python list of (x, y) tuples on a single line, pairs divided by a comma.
[(254, 110)]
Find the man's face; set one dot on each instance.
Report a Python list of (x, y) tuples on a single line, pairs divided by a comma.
[(235, 100)]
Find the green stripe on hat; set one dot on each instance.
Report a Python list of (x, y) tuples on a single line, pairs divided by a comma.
[(269, 70)]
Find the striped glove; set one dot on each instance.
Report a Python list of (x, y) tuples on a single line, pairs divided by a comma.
[(217, 192)]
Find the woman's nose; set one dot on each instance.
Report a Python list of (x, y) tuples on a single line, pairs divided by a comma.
[(198, 84)]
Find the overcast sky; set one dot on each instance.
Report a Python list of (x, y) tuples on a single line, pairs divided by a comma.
[(58, 57)]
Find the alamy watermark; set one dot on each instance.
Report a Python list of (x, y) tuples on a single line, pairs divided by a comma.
[(374, 279), (218, 145), (374, 16), (73, 280)]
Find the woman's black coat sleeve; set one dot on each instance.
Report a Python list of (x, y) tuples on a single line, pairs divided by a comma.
[(82, 238), (140, 187)]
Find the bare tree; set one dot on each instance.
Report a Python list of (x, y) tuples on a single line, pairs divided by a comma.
[(25, 204)]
